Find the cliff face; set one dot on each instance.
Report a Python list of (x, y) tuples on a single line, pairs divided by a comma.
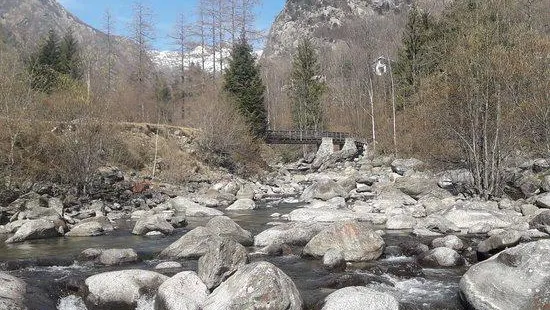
[(25, 23), (334, 22)]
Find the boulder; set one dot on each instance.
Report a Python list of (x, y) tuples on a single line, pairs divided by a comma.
[(321, 215), (497, 243), (222, 259), (226, 227), (456, 181), (451, 242), (334, 259), (543, 201), (168, 265), (299, 233), (121, 290), (323, 189), (102, 220), (184, 205), (466, 216), (184, 291), (400, 166), (400, 221), (356, 240), (90, 229), (516, 278), (541, 221), (546, 183), (12, 292), (191, 245), (417, 187), (35, 229), (259, 285), (441, 257), (109, 257), (242, 204), (360, 298), (155, 222), (480, 228)]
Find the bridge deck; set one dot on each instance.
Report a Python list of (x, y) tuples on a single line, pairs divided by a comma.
[(304, 137)]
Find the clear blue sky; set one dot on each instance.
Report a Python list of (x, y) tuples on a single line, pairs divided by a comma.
[(165, 14)]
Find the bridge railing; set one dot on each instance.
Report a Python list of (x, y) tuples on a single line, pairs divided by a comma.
[(305, 135)]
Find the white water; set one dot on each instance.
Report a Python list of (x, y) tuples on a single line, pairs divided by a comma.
[(71, 302)]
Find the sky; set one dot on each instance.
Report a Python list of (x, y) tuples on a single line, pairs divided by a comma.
[(165, 14)]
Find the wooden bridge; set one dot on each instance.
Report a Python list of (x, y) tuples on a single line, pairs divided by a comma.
[(307, 137)]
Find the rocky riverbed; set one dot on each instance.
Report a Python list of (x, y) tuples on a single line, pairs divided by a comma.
[(344, 234)]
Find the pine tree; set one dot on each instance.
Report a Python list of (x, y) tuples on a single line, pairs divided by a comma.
[(69, 57), (244, 83), (307, 88), (45, 63)]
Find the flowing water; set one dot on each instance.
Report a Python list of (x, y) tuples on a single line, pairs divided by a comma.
[(52, 275)]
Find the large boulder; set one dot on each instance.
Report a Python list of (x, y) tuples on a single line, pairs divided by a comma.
[(184, 205), (184, 291), (418, 187), (121, 290), (356, 240), (226, 227), (451, 242), (12, 292), (543, 201), (400, 221), (298, 233), (360, 298), (541, 221), (259, 285), (222, 259), (323, 189), (105, 223), (242, 204), (36, 229), (400, 166), (90, 229), (466, 216), (441, 257), (498, 242), (321, 215), (512, 279), (109, 257), (191, 245), (155, 222)]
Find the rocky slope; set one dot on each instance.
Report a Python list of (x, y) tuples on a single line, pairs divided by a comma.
[(334, 22)]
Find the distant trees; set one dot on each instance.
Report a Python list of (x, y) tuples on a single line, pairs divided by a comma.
[(57, 58), (306, 88), (243, 82)]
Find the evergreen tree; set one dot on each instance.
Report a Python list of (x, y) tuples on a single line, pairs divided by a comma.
[(242, 80), (307, 88), (420, 53), (69, 57), (45, 63)]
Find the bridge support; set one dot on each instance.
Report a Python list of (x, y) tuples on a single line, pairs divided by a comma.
[(326, 148)]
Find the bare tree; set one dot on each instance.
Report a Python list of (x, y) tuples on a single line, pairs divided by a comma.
[(109, 25), (142, 33), (181, 38)]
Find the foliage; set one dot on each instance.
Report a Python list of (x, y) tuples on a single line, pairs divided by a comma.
[(306, 88), (244, 83)]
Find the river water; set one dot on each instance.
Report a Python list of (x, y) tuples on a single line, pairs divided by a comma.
[(49, 268)]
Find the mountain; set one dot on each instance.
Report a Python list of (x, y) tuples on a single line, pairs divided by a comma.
[(333, 23), (26, 22)]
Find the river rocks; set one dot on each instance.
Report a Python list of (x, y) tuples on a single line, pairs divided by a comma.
[(543, 201), (259, 285), (321, 215), (155, 222), (299, 233), (222, 259), (226, 227), (512, 279), (12, 292), (417, 187), (109, 257), (451, 242), (400, 221), (90, 229), (242, 204), (184, 291), (334, 259), (466, 216), (35, 229), (497, 243), (442, 256), (541, 221), (121, 290), (105, 223), (400, 166), (184, 205), (356, 240), (360, 298), (323, 189), (191, 245)]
